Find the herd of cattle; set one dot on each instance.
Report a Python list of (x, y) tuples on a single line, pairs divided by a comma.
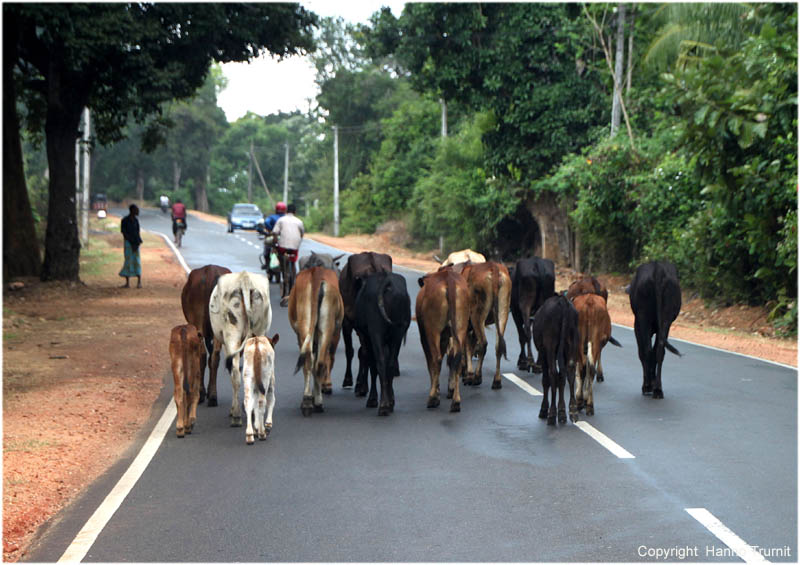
[(454, 306)]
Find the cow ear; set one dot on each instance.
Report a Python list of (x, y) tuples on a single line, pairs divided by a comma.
[(274, 339), (421, 281)]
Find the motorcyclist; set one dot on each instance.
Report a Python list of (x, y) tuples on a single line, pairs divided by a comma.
[(269, 223), (290, 231), (178, 212), (164, 203)]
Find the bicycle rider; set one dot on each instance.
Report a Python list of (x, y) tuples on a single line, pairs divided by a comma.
[(178, 212)]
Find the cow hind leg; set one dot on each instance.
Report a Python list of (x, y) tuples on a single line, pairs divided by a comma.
[(249, 408), (307, 405), (236, 382), (213, 368), (270, 406), (347, 335)]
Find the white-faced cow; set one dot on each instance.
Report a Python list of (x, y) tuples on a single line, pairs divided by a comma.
[(258, 374), (188, 357), (555, 333), (358, 266), (490, 296), (239, 308), (194, 300), (315, 313), (594, 325), (382, 317), (656, 301), (463, 256), (443, 307), (533, 282)]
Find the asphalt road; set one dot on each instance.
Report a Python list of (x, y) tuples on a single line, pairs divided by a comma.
[(491, 483)]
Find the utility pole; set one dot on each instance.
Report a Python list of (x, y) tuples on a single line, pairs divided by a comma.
[(336, 181), (250, 175), (86, 163), (286, 175), (444, 116)]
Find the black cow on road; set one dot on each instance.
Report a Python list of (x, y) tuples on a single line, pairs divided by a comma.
[(532, 282), (656, 301), (382, 317), (358, 267), (557, 339)]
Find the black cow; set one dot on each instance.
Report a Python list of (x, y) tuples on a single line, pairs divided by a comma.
[(656, 301), (557, 339), (382, 317), (358, 266), (533, 281)]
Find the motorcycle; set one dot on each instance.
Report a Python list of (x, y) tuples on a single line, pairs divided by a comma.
[(164, 208), (268, 258), (180, 230)]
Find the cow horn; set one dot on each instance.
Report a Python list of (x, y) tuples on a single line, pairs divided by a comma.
[(435, 258), (338, 257)]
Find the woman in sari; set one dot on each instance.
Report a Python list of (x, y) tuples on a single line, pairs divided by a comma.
[(133, 261)]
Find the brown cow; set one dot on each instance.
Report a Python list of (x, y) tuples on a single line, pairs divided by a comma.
[(442, 309), (490, 297), (587, 285), (194, 301), (594, 325), (188, 359), (358, 266), (315, 313)]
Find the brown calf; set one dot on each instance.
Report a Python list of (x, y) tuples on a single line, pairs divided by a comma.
[(443, 306), (594, 325), (587, 285), (194, 301), (188, 357), (490, 296), (316, 311)]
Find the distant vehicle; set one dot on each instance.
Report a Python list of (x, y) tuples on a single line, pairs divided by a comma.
[(99, 204), (244, 217)]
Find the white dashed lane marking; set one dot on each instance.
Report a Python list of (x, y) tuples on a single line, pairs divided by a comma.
[(585, 427), (744, 550)]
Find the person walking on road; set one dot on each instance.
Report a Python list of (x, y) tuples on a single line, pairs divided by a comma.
[(133, 261)]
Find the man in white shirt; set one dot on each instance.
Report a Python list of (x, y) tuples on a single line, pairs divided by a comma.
[(289, 231)]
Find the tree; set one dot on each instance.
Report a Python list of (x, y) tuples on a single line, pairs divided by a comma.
[(121, 60)]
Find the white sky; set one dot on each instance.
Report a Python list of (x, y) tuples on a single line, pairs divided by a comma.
[(265, 86)]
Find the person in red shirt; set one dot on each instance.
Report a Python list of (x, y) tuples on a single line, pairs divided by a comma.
[(178, 211)]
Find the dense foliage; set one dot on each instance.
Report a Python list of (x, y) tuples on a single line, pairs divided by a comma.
[(707, 177)]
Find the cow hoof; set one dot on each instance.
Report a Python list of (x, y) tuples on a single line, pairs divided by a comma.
[(449, 393), (347, 382), (522, 364), (327, 389), (455, 407), (542, 414), (179, 432), (580, 404), (212, 401), (262, 436), (372, 402), (497, 384), (600, 378), (433, 402), (551, 420), (202, 397), (562, 417), (573, 417), (658, 393), (589, 410), (188, 430), (534, 368), (306, 410), (249, 439), (267, 429), (384, 411), (646, 390), (236, 421), (318, 408), (285, 301)]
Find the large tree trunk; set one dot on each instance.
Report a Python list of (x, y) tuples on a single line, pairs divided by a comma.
[(200, 194), (140, 185), (176, 176), (62, 245), (616, 107), (21, 256)]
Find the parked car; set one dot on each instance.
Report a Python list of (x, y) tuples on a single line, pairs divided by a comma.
[(244, 217)]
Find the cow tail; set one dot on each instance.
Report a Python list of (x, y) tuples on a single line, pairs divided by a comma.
[(185, 365), (561, 353), (450, 291), (501, 342), (662, 334), (322, 356), (381, 306), (257, 376), (307, 347)]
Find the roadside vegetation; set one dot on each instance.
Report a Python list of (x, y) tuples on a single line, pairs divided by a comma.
[(697, 162)]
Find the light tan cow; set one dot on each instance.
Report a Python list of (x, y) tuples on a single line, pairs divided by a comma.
[(258, 374), (463, 256), (316, 311), (239, 308), (490, 297), (442, 309), (594, 325), (188, 356)]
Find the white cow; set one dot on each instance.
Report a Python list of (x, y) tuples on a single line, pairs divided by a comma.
[(239, 308), (463, 256), (258, 374)]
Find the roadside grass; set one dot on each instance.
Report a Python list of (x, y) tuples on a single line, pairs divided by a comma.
[(28, 445)]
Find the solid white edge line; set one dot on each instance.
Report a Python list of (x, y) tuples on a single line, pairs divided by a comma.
[(753, 357), (522, 384), (80, 546), (721, 531), (604, 440)]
